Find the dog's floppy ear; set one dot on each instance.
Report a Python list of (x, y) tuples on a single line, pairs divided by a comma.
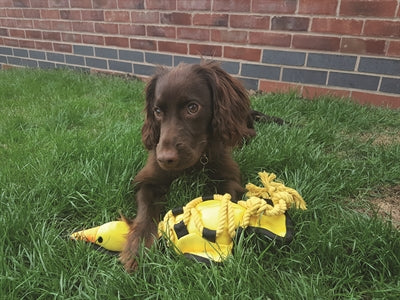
[(231, 121), (151, 128)]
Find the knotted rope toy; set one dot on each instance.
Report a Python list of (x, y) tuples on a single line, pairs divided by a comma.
[(204, 229)]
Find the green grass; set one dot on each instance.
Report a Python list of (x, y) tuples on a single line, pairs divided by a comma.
[(70, 144)]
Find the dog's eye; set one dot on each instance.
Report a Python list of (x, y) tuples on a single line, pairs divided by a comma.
[(192, 108), (157, 111)]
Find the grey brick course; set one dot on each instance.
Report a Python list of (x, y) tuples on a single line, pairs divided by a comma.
[(146, 70), (83, 50), (159, 59), (37, 54), (96, 63), (304, 76), (257, 71), (20, 52), (329, 61), (5, 50), (390, 85), (75, 60), (357, 81), (287, 58), (120, 66), (379, 66), (130, 55), (106, 53), (57, 57)]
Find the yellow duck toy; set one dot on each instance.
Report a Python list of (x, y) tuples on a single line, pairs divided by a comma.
[(204, 228)]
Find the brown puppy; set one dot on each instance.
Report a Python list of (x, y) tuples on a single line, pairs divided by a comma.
[(195, 115)]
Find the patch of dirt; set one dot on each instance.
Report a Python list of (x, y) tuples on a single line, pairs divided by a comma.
[(382, 139), (387, 204)]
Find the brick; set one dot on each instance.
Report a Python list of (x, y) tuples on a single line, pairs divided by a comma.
[(61, 47), (185, 59), (311, 92), (33, 34), (191, 5), (18, 33), (83, 50), (81, 3), (161, 31), (143, 44), (92, 15), (290, 23), (29, 63), (390, 85), (232, 67), (320, 7), (51, 35), (50, 13), (96, 63), (205, 50), (105, 52), (106, 28), (158, 59), (4, 32), (304, 76), (210, 19), (20, 3), (58, 3), (176, 18), (63, 25), (44, 45), (326, 43), (104, 4), (117, 16), (93, 39), (232, 6), (193, 34), (270, 86), (139, 69), (331, 61), (274, 6), (116, 41), (269, 39), (259, 71), (75, 60), (14, 60), (10, 42), (26, 44), (131, 29), (394, 48), (249, 83), (40, 3), (229, 36), (46, 65), (376, 99), (14, 13), (130, 55), (382, 28), (57, 57), (289, 58), (83, 26), (20, 52), (120, 66), (131, 4), (70, 14), (31, 13), (337, 26), (252, 21), (379, 66), (362, 46), (355, 81), (145, 17), (37, 54), (368, 8), (173, 47), (161, 5), (248, 54)]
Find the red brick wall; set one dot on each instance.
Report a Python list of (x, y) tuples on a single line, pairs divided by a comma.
[(239, 33)]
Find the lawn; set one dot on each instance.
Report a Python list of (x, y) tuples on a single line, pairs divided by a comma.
[(70, 144)]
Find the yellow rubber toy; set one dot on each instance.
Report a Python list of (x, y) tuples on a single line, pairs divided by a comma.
[(111, 235), (204, 228)]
